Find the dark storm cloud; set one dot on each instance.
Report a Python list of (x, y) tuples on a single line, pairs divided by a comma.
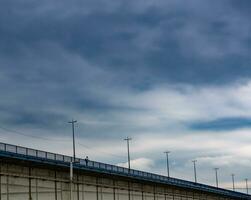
[(222, 124), (167, 42), (117, 66), (63, 58)]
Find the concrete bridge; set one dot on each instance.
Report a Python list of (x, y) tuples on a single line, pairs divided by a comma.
[(29, 174)]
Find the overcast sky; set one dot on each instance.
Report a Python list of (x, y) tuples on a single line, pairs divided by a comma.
[(172, 74)]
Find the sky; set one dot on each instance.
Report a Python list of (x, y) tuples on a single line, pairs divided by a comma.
[(171, 74)]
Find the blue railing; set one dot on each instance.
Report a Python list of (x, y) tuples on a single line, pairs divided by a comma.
[(107, 168)]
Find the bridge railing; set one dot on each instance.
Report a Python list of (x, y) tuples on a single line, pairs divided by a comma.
[(115, 169)]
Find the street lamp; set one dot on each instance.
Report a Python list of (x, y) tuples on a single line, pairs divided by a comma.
[(194, 169), (246, 185), (72, 122), (216, 176), (128, 151), (71, 180), (167, 162), (233, 181)]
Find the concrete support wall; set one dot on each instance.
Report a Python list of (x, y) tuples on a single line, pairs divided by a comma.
[(24, 183)]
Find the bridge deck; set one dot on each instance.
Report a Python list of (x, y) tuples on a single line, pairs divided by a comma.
[(22, 153)]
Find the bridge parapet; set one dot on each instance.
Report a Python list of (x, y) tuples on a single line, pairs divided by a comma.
[(18, 152)]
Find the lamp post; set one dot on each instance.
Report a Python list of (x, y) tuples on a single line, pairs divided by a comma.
[(246, 180), (167, 162), (74, 158), (127, 139), (72, 122), (71, 180), (216, 176), (233, 181), (194, 169)]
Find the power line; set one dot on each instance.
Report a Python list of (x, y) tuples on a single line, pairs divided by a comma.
[(57, 140), (104, 152), (24, 134)]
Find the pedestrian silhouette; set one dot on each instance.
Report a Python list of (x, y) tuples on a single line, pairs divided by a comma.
[(86, 160)]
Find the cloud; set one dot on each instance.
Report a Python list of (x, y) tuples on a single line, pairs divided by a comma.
[(223, 124), (143, 164), (224, 160), (164, 104), (150, 38), (167, 73)]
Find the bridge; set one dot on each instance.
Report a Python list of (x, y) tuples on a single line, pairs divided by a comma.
[(29, 174)]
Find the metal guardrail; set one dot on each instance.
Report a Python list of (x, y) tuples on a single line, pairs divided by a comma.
[(118, 170)]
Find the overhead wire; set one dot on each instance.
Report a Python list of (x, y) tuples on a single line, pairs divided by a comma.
[(101, 151), (81, 144), (24, 134), (58, 140)]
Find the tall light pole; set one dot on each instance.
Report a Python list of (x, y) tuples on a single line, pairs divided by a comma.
[(194, 169), (72, 122), (216, 176), (128, 151), (233, 181), (71, 180), (246, 185), (167, 162)]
